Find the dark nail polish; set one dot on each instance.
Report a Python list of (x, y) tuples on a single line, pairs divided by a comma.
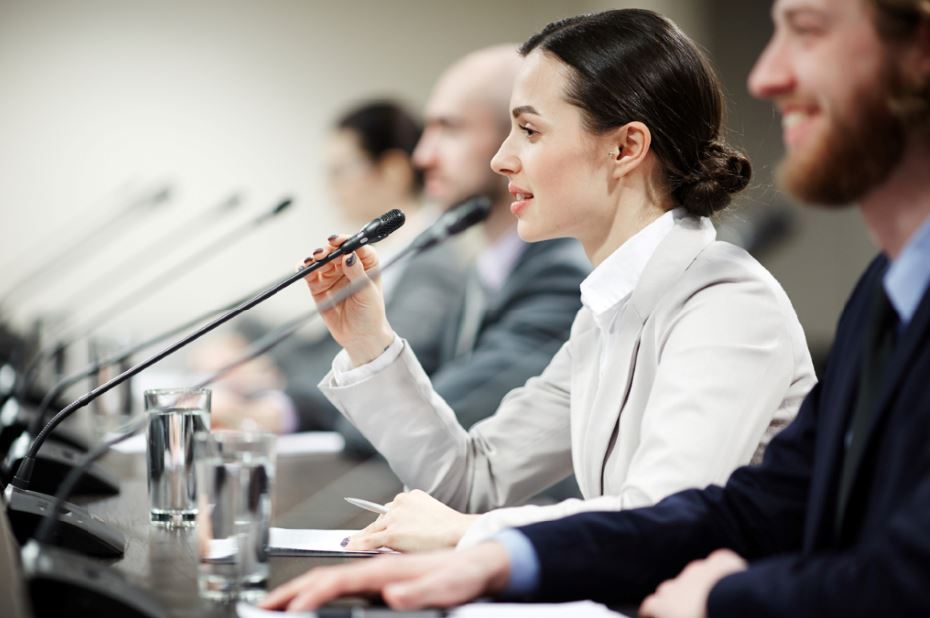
[(318, 251), (351, 261), (344, 542), (331, 238)]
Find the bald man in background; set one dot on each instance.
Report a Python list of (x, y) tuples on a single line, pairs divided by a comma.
[(518, 300)]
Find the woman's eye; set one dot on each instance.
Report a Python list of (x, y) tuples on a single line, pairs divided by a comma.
[(528, 131)]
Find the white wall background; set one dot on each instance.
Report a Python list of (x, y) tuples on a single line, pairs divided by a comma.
[(100, 99)]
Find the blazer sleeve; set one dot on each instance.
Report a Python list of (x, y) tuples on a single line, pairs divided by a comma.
[(508, 457), (620, 557), (885, 576)]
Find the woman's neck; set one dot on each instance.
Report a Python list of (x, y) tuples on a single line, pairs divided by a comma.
[(634, 211)]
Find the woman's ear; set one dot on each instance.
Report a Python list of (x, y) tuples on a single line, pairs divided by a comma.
[(629, 146)]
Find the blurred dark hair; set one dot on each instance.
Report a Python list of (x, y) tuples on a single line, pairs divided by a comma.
[(899, 21), (382, 127), (635, 65)]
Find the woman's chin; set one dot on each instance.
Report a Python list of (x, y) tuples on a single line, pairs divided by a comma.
[(528, 233)]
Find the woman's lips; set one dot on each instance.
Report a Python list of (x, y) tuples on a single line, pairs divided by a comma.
[(520, 202)]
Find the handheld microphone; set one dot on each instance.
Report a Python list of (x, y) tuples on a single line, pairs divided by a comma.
[(454, 221), (26, 506), (61, 452), (450, 223)]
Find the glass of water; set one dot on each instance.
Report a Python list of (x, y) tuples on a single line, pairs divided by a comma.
[(235, 474), (175, 416)]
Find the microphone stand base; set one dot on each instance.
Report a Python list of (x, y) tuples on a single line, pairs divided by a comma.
[(77, 529), (62, 583), (53, 463)]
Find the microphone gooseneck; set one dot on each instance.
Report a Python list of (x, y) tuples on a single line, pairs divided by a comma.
[(84, 246), (378, 228), (454, 221)]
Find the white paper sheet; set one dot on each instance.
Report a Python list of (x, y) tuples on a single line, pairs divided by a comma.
[(305, 443), (579, 609), (299, 540)]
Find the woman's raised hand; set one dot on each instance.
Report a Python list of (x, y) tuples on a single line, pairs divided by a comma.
[(358, 323)]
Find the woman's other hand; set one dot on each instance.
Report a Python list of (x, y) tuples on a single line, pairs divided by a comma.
[(415, 522)]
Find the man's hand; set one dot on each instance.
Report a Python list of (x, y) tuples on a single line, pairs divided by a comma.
[(686, 595), (440, 579)]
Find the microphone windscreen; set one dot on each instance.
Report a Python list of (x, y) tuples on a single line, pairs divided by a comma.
[(390, 222), (284, 205)]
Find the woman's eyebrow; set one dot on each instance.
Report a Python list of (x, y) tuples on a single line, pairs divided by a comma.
[(524, 109)]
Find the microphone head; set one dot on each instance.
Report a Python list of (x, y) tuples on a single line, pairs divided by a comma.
[(158, 197), (468, 213), (391, 221), (382, 227), (284, 205), (230, 203)]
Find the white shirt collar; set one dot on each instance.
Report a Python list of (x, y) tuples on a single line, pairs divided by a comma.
[(614, 279)]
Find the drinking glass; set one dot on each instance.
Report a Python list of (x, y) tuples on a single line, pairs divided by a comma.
[(175, 415)]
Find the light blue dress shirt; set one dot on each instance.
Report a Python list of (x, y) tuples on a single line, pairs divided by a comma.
[(905, 283), (908, 276)]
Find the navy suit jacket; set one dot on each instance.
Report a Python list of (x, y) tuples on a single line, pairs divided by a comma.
[(781, 515)]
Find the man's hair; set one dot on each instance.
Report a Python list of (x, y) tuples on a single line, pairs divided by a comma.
[(900, 21)]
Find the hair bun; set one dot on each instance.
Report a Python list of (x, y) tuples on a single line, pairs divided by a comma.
[(721, 171)]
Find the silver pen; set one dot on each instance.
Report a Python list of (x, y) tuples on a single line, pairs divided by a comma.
[(368, 506)]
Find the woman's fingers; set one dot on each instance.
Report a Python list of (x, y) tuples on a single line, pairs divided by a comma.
[(369, 541)]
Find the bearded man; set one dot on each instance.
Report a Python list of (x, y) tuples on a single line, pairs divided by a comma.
[(836, 520)]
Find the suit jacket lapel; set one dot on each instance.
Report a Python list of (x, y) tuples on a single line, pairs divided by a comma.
[(672, 257), (836, 407), (910, 341)]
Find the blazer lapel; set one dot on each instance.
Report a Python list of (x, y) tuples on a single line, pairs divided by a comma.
[(672, 257)]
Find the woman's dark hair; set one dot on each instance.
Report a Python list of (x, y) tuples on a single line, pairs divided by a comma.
[(382, 127), (635, 65)]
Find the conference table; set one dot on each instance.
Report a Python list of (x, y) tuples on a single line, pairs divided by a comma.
[(308, 493)]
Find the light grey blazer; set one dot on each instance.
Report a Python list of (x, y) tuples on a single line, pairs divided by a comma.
[(706, 362)]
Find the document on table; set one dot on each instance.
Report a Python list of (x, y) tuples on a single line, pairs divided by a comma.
[(580, 609), (307, 541)]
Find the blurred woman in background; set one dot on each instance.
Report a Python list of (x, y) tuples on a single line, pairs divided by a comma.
[(368, 171)]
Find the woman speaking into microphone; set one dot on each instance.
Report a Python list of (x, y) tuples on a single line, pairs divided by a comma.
[(686, 356)]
